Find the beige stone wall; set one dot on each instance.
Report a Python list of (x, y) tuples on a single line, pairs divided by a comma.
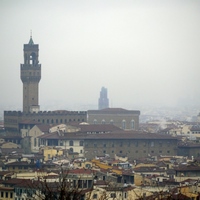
[(132, 148), (76, 146), (12, 118), (51, 152), (30, 95), (115, 119), (34, 133)]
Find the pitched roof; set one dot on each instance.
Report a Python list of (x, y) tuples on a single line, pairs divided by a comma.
[(31, 41), (97, 127), (6, 151), (113, 111), (187, 168), (80, 171), (22, 163), (110, 136), (44, 127)]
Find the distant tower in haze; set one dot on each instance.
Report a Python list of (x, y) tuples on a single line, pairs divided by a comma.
[(103, 99), (30, 76)]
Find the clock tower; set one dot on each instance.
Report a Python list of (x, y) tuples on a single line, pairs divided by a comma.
[(30, 76)]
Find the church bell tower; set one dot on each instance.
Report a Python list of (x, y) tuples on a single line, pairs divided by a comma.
[(30, 76)]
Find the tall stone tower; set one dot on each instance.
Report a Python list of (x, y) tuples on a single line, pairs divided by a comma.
[(30, 76), (103, 99)]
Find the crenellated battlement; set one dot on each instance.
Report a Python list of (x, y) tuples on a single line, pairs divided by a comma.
[(12, 113), (12, 119), (30, 75), (45, 113)]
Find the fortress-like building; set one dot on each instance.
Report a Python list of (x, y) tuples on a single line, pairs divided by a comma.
[(30, 76)]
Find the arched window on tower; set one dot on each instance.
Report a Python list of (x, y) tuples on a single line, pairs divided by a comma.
[(95, 121), (33, 59), (111, 122)]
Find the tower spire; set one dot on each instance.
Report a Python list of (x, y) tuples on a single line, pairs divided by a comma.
[(31, 40)]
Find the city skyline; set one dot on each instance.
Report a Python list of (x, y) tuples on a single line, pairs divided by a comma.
[(145, 53)]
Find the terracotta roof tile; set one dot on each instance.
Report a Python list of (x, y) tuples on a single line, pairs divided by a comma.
[(110, 136), (113, 111)]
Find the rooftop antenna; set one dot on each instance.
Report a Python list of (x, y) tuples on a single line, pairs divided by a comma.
[(31, 34)]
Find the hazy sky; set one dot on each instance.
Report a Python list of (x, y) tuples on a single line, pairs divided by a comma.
[(145, 52)]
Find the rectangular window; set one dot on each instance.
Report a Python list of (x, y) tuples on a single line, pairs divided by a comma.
[(125, 195), (152, 144), (113, 195), (6, 194), (1, 194)]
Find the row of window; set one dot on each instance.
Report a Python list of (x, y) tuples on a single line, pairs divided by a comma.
[(112, 195), (52, 121), (20, 167), (112, 122), (71, 150), (120, 144), (151, 144), (71, 143), (195, 132), (144, 151), (6, 194)]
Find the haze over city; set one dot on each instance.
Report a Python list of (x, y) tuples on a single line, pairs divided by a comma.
[(146, 53)]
